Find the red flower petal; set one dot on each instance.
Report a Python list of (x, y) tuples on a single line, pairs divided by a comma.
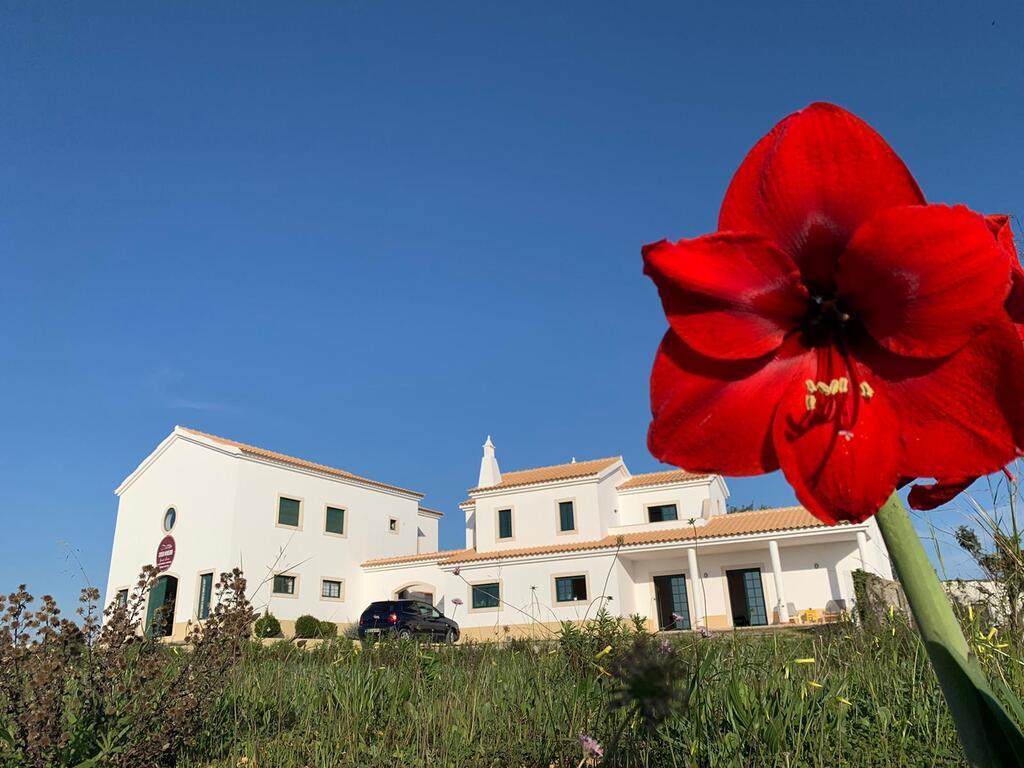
[(727, 295), (957, 416), (811, 182), (715, 415), (840, 469), (932, 495), (1000, 227), (923, 279)]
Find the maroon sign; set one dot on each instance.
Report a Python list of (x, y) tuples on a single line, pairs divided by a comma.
[(165, 553)]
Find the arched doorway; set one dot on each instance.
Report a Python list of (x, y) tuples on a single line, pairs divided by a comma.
[(416, 591), (160, 613)]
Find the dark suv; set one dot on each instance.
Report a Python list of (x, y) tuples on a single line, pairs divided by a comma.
[(406, 618)]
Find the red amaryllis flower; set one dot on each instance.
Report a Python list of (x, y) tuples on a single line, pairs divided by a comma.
[(929, 496), (836, 326)]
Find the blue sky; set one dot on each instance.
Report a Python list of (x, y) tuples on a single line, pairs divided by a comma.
[(371, 234)]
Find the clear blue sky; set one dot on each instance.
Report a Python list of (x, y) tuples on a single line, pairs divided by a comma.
[(372, 233)]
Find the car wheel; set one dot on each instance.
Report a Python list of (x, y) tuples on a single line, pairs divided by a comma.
[(404, 634), (451, 637)]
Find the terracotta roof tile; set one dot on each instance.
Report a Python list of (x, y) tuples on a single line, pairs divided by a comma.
[(431, 511), (549, 474), (659, 478), (736, 524), (263, 453), (424, 557)]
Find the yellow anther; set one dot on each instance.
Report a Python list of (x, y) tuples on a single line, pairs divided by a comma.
[(866, 391), (833, 387), (823, 388), (810, 401), (844, 384), (811, 387)]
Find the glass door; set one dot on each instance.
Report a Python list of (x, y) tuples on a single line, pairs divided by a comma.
[(672, 603)]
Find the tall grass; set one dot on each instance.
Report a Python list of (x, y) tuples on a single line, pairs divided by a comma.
[(840, 695)]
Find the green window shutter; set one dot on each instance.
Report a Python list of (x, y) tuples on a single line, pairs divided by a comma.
[(570, 589), (486, 595), (504, 523), (156, 601), (288, 512), (335, 520), (566, 516), (205, 592), (662, 512), (330, 588), (284, 585)]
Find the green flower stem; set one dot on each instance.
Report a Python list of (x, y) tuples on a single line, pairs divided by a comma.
[(989, 736)]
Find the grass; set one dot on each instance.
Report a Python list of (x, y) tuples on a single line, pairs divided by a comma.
[(78, 695), (835, 696)]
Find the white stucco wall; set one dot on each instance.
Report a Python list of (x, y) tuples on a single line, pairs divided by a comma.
[(200, 484), (535, 515), (426, 538), (264, 548), (688, 497)]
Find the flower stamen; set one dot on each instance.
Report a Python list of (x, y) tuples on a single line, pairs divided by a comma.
[(810, 401), (866, 391)]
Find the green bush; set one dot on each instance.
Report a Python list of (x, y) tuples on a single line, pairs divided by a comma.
[(267, 625), (307, 626), (328, 629)]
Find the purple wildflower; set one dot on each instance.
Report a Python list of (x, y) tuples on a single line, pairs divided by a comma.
[(456, 601), (591, 747), (666, 646)]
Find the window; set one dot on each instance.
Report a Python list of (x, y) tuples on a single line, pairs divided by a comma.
[(393, 524), (659, 513), (284, 585), (566, 517), (569, 589), (486, 595), (335, 522), (504, 523), (121, 598), (289, 512), (205, 592), (332, 589), (170, 516)]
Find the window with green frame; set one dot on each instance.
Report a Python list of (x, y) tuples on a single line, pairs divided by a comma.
[(288, 512), (569, 589), (335, 521), (504, 523), (659, 513), (205, 593), (284, 585), (486, 595), (566, 516)]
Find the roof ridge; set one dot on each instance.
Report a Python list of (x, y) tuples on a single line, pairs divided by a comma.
[(288, 459), (560, 464), (786, 508)]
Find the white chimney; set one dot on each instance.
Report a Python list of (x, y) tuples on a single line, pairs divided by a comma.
[(489, 472)]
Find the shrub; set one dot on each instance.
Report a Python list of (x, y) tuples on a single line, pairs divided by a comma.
[(307, 626), (267, 625), (328, 629), (102, 692)]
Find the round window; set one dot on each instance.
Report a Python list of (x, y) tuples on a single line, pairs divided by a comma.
[(169, 517)]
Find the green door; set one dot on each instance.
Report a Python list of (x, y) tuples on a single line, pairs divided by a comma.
[(160, 613)]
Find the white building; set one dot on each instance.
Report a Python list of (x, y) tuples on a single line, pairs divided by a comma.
[(542, 545)]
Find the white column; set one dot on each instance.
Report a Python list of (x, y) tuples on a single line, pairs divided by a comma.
[(695, 586), (862, 548), (780, 591)]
